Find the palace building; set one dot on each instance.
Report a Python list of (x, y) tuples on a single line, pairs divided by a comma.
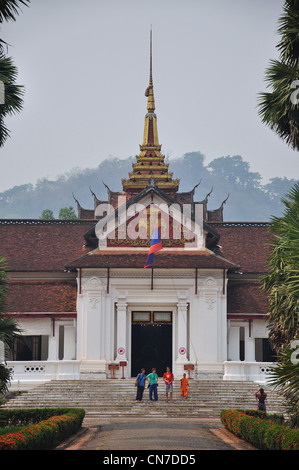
[(88, 308)]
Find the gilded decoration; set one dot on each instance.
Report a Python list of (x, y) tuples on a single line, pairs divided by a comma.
[(138, 230)]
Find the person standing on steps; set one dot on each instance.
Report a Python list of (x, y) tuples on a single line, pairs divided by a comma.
[(168, 378), (153, 385), (261, 396), (140, 382), (184, 384)]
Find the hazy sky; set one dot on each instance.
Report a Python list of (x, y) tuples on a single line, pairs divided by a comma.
[(85, 67)]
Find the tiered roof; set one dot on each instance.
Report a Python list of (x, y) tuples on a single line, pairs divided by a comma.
[(150, 166), (150, 161)]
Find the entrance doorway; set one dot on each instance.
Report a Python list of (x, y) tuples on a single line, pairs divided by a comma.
[(151, 342)]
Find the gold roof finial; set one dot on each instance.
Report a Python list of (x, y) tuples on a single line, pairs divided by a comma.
[(150, 167), (149, 92), (151, 58)]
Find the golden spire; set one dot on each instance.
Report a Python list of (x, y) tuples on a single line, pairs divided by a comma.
[(149, 92), (150, 137), (150, 163)]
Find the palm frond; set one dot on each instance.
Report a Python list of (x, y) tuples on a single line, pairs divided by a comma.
[(13, 96), (277, 108), (9, 9)]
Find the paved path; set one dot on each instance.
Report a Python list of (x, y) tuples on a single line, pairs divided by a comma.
[(160, 434)]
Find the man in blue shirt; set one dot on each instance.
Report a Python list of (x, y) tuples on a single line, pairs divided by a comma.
[(140, 381)]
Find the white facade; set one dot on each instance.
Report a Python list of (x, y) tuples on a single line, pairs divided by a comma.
[(104, 320), (101, 336), (102, 333)]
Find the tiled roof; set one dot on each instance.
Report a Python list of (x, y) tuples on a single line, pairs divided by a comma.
[(42, 296), (246, 297), (41, 246), (128, 259), (35, 245), (247, 244)]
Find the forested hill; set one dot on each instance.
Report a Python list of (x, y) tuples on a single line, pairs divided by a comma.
[(249, 199)]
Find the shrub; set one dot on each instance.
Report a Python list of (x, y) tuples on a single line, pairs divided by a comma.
[(274, 417), (260, 431), (22, 417), (46, 434)]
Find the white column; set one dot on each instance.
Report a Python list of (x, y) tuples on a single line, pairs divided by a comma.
[(89, 326), (234, 343), (53, 342), (121, 319), (182, 331), (81, 327), (249, 345), (69, 351), (209, 323)]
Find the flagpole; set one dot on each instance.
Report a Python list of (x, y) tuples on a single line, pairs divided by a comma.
[(152, 282)]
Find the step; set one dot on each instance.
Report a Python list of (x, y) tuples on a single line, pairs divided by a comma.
[(117, 398)]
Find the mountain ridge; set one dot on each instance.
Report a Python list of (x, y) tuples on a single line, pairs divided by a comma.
[(226, 176)]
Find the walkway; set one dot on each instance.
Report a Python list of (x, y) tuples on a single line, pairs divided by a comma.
[(160, 434)]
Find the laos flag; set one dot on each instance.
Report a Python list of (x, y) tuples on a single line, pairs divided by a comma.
[(156, 245)]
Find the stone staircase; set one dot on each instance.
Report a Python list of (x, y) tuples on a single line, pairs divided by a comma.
[(108, 398)]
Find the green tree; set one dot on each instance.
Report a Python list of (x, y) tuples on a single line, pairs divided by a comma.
[(235, 171), (11, 100), (9, 329), (281, 284), (285, 376), (279, 108), (11, 94), (67, 213), (47, 214), (278, 186)]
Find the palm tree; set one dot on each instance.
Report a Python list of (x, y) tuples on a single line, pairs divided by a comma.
[(285, 378), (281, 284), (11, 94), (9, 330), (277, 108)]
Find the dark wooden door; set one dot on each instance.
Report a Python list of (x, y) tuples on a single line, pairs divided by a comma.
[(151, 346)]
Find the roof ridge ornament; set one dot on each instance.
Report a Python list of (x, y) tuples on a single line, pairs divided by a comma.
[(152, 183), (193, 190)]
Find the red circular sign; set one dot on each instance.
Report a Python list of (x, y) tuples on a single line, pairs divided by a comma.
[(182, 350), (121, 351)]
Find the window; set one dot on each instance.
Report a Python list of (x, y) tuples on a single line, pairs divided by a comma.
[(263, 350), (162, 317), (151, 317), (28, 348), (141, 317), (242, 343)]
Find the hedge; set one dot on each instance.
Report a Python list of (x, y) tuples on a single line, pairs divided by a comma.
[(57, 424), (260, 432)]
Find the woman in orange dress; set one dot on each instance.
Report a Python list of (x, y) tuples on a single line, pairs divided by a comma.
[(184, 386)]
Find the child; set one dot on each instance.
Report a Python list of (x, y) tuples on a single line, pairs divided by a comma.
[(184, 387)]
